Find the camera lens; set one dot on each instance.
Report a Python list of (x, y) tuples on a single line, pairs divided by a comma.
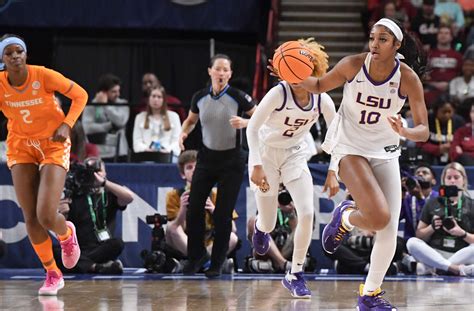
[(284, 198)]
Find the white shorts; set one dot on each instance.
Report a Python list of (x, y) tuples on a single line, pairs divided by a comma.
[(280, 165)]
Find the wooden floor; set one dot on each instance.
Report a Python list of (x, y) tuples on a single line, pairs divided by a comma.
[(240, 292)]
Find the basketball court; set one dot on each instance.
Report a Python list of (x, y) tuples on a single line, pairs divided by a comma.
[(136, 290)]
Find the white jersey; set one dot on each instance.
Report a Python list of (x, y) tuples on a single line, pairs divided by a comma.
[(361, 126), (281, 122)]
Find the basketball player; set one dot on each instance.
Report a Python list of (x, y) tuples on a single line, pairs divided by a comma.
[(363, 141), (38, 148), (281, 121)]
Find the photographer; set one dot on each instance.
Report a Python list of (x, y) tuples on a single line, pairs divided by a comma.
[(417, 189), (280, 252), (93, 205), (177, 201), (444, 238)]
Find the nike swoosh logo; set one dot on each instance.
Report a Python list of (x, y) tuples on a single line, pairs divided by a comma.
[(288, 108), (8, 95), (360, 81)]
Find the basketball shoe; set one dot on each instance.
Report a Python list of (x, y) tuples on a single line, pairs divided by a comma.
[(335, 231), (295, 283), (70, 248), (260, 241), (373, 302), (54, 282)]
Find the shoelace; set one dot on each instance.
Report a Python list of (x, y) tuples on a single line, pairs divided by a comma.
[(340, 233), (379, 301), (50, 279), (68, 247)]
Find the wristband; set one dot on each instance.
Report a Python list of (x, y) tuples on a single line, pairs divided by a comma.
[(464, 236)]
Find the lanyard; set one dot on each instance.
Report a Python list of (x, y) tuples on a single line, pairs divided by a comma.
[(449, 134), (92, 210), (459, 208), (280, 218)]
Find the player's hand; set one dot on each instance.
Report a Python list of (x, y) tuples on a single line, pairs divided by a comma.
[(258, 178), (396, 124), (182, 138), (62, 133), (238, 122), (331, 184), (273, 70), (209, 205)]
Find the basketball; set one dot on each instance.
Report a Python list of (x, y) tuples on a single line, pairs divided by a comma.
[(293, 61)]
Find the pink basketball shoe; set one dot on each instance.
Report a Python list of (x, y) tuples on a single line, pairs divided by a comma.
[(54, 282), (70, 248)]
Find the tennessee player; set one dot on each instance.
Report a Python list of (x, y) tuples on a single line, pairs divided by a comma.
[(38, 148)]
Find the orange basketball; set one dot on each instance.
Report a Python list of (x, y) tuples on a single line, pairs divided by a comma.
[(293, 61)]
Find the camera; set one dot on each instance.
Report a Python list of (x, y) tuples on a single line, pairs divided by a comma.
[(80, 179), (154, 260), (412, 181), (448, 222), (284, 197), (156, 219), (448, 191)]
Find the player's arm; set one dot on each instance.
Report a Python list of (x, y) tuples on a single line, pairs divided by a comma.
[(328, 108), (411, 87), (54, 81), (271, 101), (344, 70)]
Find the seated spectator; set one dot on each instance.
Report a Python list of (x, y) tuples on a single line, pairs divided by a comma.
[(93, 206), (176, 207), (280, 251), (443, 122), (417, 189), (105, 124), (451, 13), (462, 87), (426, 25), (80, 146), (444, 239), (157, 129), (444, 64), (462, 147)]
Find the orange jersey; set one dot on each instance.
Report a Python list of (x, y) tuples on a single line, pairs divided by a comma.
[(31, 108)]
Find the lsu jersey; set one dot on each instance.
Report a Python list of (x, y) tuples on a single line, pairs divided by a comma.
[(31, 109), (288, 124), (361, 126)]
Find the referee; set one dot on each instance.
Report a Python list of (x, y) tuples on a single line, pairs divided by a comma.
[(220, 161)]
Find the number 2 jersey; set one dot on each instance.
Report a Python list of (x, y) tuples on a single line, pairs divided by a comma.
[(31, 109), (361, 126), (281, 122)]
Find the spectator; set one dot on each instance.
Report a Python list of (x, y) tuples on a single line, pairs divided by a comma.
[(105, 124), (93, 208), (157, 129), (426, 25), (177, 201), (444, 238), (443, 122), (444, 64), (462, 87), (451, 14), (462, 147)]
